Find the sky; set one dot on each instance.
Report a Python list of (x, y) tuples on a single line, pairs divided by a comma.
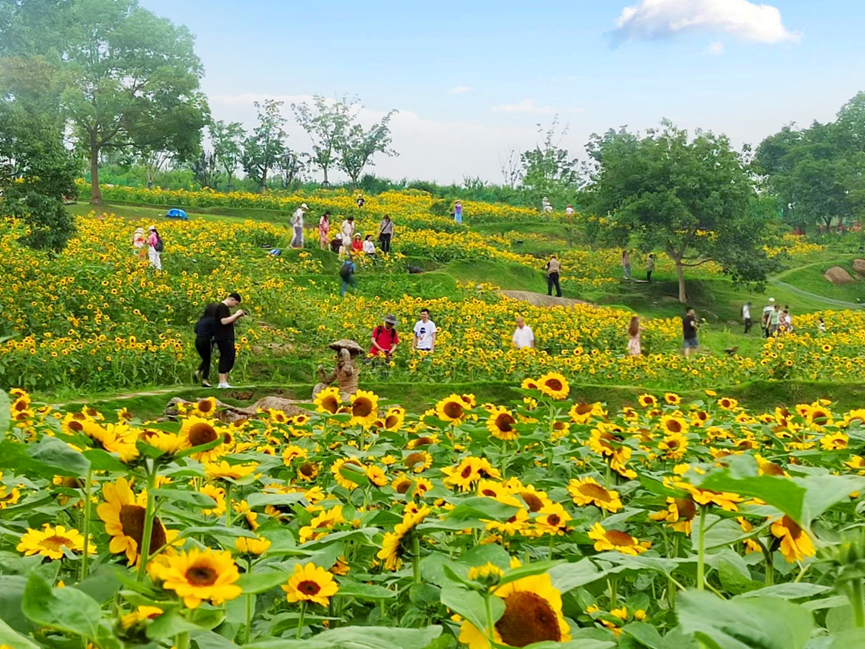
[(474, 79)]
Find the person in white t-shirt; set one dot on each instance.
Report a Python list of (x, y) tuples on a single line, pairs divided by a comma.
[(297, 225), (746, 316), (347, 234), (424, 333), (369, 246), (523, 335)]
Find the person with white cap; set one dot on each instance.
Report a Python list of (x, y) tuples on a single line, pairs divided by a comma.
[(297, 224), (767, 316), (155, 247)]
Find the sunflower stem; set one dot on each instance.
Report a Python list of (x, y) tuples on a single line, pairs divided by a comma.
[(182, 640), (86, 526), (249, 607), (770, 566), (227, 504), (671, 583), (613, 583), (144, 554), (491, 634), (416, 562), (855, 597), (300, 621), (701, 551)]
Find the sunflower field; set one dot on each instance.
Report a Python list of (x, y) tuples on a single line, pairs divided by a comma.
[(546, 523)]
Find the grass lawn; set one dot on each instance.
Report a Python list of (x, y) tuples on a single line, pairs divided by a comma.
[(810, 278)]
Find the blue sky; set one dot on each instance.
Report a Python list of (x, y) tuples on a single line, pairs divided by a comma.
[(472, 79)]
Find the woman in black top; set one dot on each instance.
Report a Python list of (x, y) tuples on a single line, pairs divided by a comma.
[(204, 330)]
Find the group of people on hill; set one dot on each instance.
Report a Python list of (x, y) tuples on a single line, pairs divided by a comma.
[(215, 328), (154, 244), (626, 265), (773, 320)]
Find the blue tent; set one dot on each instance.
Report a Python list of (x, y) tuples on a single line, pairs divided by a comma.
[(175, 213)]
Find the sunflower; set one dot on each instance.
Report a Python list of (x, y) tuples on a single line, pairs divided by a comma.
[(114, 438), (818, 416), (73, 423), (491, 489), (726, 403), (308, 471), (674, 446), (795, 542), (673, 425), (451, 409), (423, 440), (534, 499), (469, 471), (257, 546), (204, 408), (196, 431), (50, 542), (500, 423), (723, 499), (341, 480), (123, 515), (364, 408), (586, 491), (141, 614), (582, 413), (672, 399), (218, 494), (201, 575), (647, 401), (310, 583), (529, 384), (617, 541), (679, 514), (835, 442), (393, 546), (328, 401), (215, 470), (513, 525), (554, 385), (166, 442), (8, 496), (533, 614), (553, 519), (394, 418), (751, 544), (376, 475), (418, 461), (292, 453)]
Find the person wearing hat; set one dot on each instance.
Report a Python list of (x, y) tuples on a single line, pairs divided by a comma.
[(767, 316), (138, 241), (156, 247), (385, 338), (297, 224)]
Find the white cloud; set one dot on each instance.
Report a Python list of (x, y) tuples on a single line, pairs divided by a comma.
[(715, 49), (526, 107), (654, 19), (460, 90)]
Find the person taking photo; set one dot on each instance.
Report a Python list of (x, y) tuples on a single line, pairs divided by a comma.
[(223, 336)]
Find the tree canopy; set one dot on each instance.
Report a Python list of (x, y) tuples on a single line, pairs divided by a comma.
[(691, 197)]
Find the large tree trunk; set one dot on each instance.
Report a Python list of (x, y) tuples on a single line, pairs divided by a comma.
[(95, 193), (326, 181), (680, 273), (264, 181)]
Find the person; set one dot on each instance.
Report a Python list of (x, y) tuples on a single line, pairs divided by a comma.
[(626, 264), (458, 212), (385, 233), (223, 335), (346, 272), (336, 244), (156, 247), (347, 231), (324, 230), (689, 332), (774, 320), (650, 266), (138, 241), (634, 337), (524, 337), (821, 327), (385, 339), (569, 211), (554, 269), (357, 245), (204, 330), (297, 224), (546, 207), (767, 313), (787, 321), (360, 201), (369, 246), (424, 333)]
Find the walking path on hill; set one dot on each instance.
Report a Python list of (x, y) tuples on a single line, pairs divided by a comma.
[(774, 281), (539, 299)]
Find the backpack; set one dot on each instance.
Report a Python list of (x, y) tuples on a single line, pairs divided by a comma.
[(160, 246), (345, 271)]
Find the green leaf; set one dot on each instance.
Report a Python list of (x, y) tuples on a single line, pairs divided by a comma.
[(260, 500), (201, 448), (192, 497), (260, 582), (761, 622), (8, 635), (357, 477), (11, 594), (471, 606), (217, 531), (5, 412), (852, 639), (358, 590), (101, 585), (66, 609), (169, 624), (64, 460), (568, 576), (645, 634), (354, 637), (530, 570), (789, 591), (101, 460)]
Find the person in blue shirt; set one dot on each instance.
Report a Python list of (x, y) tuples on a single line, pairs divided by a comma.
[(346, 272)]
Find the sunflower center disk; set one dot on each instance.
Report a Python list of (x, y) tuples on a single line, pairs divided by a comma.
[(56, 543), (201, 433), (201, 576), (309, 588), (132, 522), (528, 618)]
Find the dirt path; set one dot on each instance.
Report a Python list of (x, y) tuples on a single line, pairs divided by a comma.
[(123, 396), (539, 299), (774, 281)]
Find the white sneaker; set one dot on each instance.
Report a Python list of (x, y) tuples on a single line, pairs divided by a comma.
[(223, 386)]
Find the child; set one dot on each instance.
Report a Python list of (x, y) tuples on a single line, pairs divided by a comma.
[(357, 245), (369, 246)]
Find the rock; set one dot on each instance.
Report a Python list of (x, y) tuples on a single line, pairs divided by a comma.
[(229, 414), (859, 266), (539, 299), (838, 275)]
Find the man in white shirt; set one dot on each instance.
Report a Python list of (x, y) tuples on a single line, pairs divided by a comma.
[(746, 316), (767, 315), (523, 336), (347, 234), (424, 333), (297, 224)]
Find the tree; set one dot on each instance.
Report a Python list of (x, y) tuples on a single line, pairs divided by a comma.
[(293, 165), (691, 197), (357, 148), (133, 82), (227, 140), (206, 169), (265, 149), (36, 172), (548, 170), (511, 167), (326, 123)]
